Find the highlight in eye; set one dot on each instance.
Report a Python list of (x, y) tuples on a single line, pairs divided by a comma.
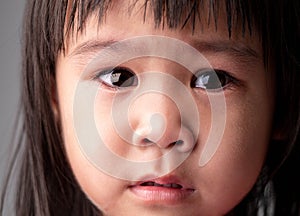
[(212, 80), (118, 77)]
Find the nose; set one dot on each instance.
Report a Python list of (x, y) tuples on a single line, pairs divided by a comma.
[(156, 120)]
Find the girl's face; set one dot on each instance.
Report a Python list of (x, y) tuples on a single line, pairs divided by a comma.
[(189, 189)]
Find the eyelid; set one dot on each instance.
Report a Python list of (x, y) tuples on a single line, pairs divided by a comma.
[(107, 70)]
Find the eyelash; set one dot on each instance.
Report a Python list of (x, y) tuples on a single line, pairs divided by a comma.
[(223, 80)]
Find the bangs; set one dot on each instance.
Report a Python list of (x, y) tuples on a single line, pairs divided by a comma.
[(166, 13)]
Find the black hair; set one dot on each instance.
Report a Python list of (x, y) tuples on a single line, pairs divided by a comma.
[(46, 185)]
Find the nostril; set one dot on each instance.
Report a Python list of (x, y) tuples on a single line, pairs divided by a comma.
[(147, 141), (179, 142), (186, 141), (183, 142)]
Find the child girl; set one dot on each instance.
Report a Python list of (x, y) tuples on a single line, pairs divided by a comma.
[(249, 56)]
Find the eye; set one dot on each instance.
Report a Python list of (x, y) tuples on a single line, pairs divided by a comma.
[(118, 77), (211, 79)]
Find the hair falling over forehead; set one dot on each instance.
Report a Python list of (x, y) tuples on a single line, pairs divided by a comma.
[(171, 14), (166, 13)]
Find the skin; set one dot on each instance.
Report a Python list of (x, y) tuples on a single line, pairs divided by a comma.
[(219, 185)]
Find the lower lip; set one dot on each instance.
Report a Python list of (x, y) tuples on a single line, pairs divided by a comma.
[(161, 195)]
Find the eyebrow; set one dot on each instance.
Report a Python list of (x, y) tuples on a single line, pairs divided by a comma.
[(233, 48), (91, 46), (237, 49)]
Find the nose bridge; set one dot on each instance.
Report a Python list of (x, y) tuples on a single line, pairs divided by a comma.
[(162, 104), (154, 108), (156, 119), (165, 123)]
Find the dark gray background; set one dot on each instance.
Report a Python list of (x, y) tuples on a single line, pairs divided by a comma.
[(11, 14)]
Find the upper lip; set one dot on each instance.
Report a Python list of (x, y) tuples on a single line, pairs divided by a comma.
[(170, 181)]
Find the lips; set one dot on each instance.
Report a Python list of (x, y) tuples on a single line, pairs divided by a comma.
[(169, 185), (166, 190)]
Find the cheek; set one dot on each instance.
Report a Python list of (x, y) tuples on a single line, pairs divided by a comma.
[(234, 168), (103, 190), (89, 178), (113, 137)]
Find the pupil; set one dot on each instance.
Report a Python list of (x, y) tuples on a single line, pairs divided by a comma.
[(210, 80), (215, 81), (122, 78)]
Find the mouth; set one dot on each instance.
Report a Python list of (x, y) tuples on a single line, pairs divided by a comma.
[(167, 190), (169, 185)]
